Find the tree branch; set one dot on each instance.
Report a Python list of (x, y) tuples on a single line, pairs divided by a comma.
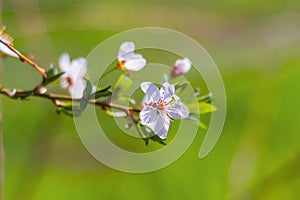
[(25, 59), (57, 98)]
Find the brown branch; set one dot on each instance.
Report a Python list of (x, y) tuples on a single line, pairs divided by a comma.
[(25, 59), (58, 99)]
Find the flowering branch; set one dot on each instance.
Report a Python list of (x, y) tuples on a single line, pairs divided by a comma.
[(59, 100), (151, 117)]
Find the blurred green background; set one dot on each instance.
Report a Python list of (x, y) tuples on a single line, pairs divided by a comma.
[(256, 47)]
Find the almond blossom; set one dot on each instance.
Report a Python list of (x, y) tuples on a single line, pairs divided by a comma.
[(74, 70), (181, 66), (162, 106), (8, 40), (128, 60)]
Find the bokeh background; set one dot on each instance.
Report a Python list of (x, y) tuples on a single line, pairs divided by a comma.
[(256, 47)]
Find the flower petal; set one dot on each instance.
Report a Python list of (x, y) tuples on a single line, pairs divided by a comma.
[(8, 40), (161, 125), (126, 51), (64, 83), (137, 56), (148, 114), (64, 62), (76, 90), (78, 68), (7, 51), (145, 101), (135, 64), (145, 86), (167, 91), (152, 92), (177, 110), (182, 66), (94, 89)]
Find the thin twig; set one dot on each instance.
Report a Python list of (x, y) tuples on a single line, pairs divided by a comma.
[(25, 59), (21, 94)]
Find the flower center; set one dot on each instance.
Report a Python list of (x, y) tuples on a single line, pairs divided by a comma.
[(120, 65), (70, 81), (161, 105)]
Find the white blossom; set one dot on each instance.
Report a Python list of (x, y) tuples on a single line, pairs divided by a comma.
[(74, 70), (161, 107), (181, 66), (8, 40), (128, 60)]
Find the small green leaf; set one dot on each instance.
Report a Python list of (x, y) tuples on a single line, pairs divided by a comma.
[(51, 79), (155, 138), (69, 111), (206, 98), (202, 125), (101, 93), (149, 135), (88, 88), (206, 108), (52, 75), (52, 71), (181, 86), (197, 121), (72, 113), (83, 103), (86, 95), (59, 110), (146, 140)]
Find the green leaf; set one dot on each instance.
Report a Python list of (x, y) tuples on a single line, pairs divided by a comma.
[(101, 93), (72, 113), (200, 107), (88, 88), (86, 95), (51, 79), (83, 103), (149, 135), (59, 110), (181, 86), (146, 140), (196, 120), (206, 108), (52, 71), (69, 111), (51, 75), (202, 125), (155, 138), (206, 98)]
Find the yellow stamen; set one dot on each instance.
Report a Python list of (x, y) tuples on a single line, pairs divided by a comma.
[(120, 65)]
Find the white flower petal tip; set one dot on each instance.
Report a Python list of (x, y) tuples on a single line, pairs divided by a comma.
[(128, 60), (135, 64), (181, 66), (72, 79), (94, 89), (160, 108), (8, 40), (145, 86)]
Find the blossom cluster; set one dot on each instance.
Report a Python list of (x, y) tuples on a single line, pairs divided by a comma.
[(160, 106)]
